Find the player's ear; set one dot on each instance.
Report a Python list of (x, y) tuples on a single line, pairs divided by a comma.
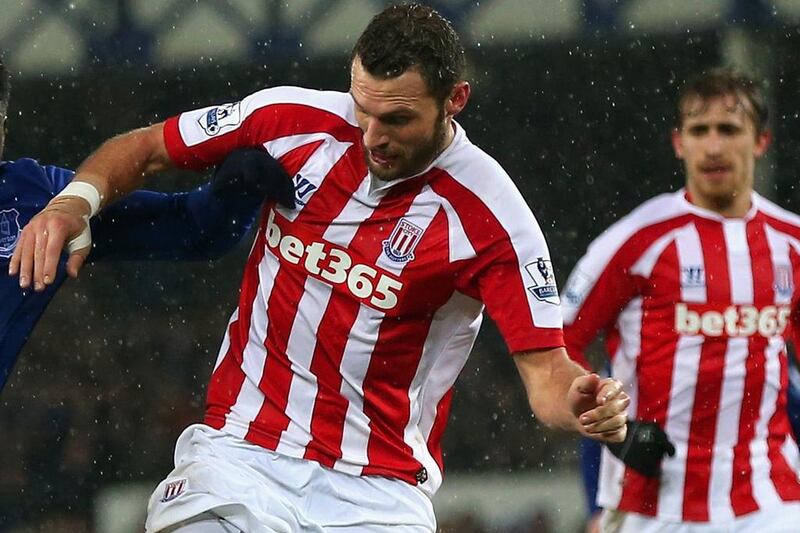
[(458, 99), (763, 140), (677, 143)]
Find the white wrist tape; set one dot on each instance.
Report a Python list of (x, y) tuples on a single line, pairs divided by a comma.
[(83, 240), (84, 190)]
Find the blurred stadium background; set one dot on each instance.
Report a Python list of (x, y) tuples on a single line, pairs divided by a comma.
[(573, 97)]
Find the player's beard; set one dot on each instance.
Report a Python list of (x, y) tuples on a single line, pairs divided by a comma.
[(414, 160)]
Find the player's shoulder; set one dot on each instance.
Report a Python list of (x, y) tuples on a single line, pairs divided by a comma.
[(653, 214), (26, 176), (477, 171), (774, 211), (25, 166), (335, 102)]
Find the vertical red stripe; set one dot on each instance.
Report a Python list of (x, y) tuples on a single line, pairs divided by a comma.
[(327, 202), (227, 379), (391, 370), (437, 430), (397, 355), (742, 499), (703, 428), (330, 408), (654, 376)]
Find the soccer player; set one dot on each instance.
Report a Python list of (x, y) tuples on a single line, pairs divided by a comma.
[(201, 224), (359, 307), (697, 294)]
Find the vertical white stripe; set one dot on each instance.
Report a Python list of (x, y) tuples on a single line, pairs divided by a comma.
[(623, 368), (684, 375), (447, 347), (679, 419), (300, 350), (690, 256), (361, 342), (355, 361), (341, 232), (763, 489), (733, 379), (727, 432), (459, 245), (739, 266), (612, 473), (254, 356), (791, 453)]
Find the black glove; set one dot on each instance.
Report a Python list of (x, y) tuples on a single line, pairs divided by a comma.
[(253, 172), (643, 448)]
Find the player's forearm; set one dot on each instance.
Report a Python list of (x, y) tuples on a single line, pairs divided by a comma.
[(548, 376), (120, 165)]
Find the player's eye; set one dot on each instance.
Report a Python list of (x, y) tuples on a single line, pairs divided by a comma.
[(698, 130), (396, 120), (729, 129)]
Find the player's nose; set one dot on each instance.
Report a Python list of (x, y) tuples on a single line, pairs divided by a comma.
[(375, 135)]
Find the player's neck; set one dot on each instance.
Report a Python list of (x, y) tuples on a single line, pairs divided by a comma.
[(736, 206)]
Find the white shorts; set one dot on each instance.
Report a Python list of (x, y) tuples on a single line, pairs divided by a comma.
[(782, 519), (262, 491)]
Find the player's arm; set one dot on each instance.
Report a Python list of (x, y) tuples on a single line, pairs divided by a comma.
[(598, 289), (115, 169), (201, 224), (563, 395)]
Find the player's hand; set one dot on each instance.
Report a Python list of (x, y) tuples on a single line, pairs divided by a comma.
[(63, 223), (600, 405), (253, 171), (644, 447)]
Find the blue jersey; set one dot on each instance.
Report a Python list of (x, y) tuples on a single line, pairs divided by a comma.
[(200, 224)]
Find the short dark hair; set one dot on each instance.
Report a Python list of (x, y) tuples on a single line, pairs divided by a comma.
[(411, 35), (5, 87), (722, 81)]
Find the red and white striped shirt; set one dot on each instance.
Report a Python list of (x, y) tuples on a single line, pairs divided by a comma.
[(359, 308), (696, 310)]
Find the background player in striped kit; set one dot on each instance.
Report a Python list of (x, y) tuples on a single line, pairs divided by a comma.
[(201, 224), (697, 294), (358, 308)]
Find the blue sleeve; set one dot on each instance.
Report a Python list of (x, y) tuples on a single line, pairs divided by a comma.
[(59, 177), (590, 471), (187, 226)]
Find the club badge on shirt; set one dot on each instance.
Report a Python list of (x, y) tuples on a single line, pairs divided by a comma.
[(784, 284), (9, 231), (399, 247)]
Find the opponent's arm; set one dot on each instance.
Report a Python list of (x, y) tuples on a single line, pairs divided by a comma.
[(115, 169), (201, 224), (562, 395)]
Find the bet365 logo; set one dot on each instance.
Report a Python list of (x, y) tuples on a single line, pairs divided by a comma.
[(335, 266)]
